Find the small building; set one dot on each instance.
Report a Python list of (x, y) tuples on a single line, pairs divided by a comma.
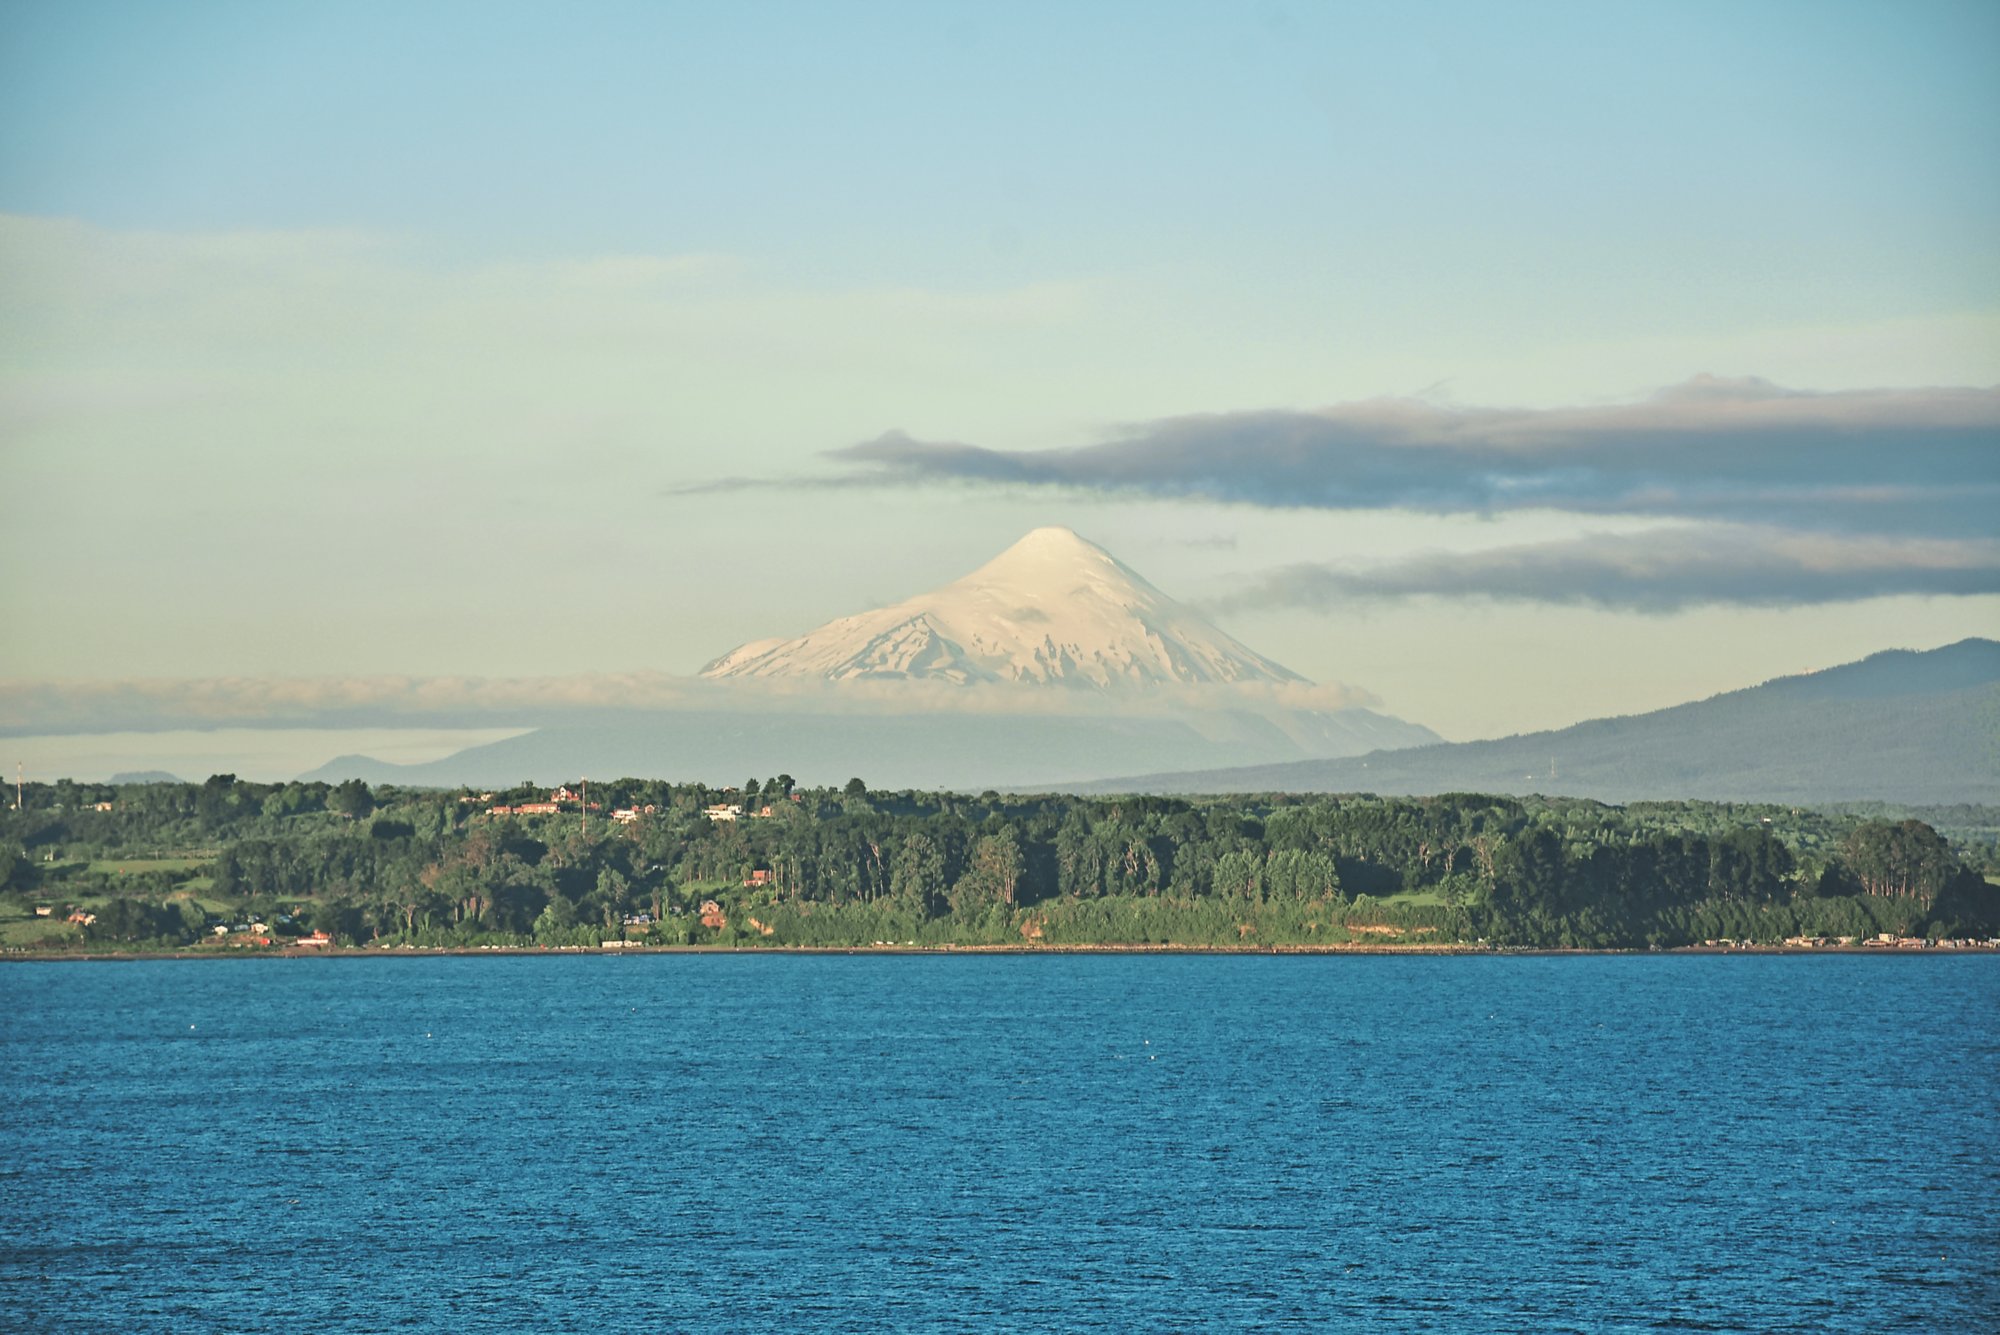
[(758, 877), (44, 910), (724, 811), (316, 939), (537, 809), (102, 806), (566, 794), (625, 815)]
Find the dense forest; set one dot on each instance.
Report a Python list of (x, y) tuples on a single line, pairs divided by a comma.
[(229, 864)]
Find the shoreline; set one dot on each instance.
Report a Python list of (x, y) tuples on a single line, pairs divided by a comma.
[(1098, 948)]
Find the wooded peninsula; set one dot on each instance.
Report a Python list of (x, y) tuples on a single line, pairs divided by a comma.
[(228, 866)]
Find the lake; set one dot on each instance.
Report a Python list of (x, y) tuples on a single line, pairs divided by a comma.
[(978, 1143)]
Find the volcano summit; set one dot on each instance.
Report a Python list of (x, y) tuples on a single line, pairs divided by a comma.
[(1052, 610)]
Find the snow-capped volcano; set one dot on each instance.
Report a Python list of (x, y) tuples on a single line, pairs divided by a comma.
[(1053, 609)]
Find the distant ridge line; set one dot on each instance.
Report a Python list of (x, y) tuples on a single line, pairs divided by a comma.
[(1899, 725)]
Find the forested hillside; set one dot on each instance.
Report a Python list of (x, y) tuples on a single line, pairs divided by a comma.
[(234, 865)]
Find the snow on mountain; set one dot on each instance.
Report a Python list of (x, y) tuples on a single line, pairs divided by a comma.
[(1050, 665), (1051, 610)]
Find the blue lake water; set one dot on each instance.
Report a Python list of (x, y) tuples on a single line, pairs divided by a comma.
[(1128, 1143)]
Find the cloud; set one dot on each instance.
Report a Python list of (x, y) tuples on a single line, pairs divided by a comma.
[(46, 708), (30, 706), (1659, 571), (1919, 462)]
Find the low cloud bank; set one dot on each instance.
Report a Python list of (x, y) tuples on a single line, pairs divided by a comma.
[(1915, 462), (1776, 496), (35, 708), (1662, 571)]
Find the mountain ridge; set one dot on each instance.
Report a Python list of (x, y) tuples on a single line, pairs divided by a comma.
[(1898, 725)]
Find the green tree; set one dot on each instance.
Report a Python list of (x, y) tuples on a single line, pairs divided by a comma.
[(351, 799), (993, 876), (614, 894), (916, 876), (1904, 860)]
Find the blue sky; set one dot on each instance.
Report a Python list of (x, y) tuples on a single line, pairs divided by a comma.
[(420, 294), (1756, 145)]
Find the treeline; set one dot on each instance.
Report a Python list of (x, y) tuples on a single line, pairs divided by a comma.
[(851, 867)]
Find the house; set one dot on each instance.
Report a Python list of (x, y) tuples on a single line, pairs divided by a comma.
[(625, 815), (758, 877), (763, 813), (102, 806), (566, 794), (537, 809), (316, 939), (723, 811), (43, 910)]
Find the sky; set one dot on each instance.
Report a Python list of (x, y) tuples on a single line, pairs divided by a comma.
[(1516, 364)]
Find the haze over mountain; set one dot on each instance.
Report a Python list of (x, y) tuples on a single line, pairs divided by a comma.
[(1898, 726), (1052, 663)]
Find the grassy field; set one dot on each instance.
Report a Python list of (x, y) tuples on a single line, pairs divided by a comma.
[(129, 866), (16, 930), (1415, 898)]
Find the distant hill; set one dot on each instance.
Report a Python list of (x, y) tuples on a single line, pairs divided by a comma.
[(1900, 726), (145, 776)]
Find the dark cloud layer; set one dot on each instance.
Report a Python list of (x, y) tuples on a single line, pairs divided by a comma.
[(1911, 462), (1661, 571)]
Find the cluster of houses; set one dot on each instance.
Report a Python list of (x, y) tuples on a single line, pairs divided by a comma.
[(566, 798), (1880, 941), (562, 799), (734, 810), (251, 932)]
